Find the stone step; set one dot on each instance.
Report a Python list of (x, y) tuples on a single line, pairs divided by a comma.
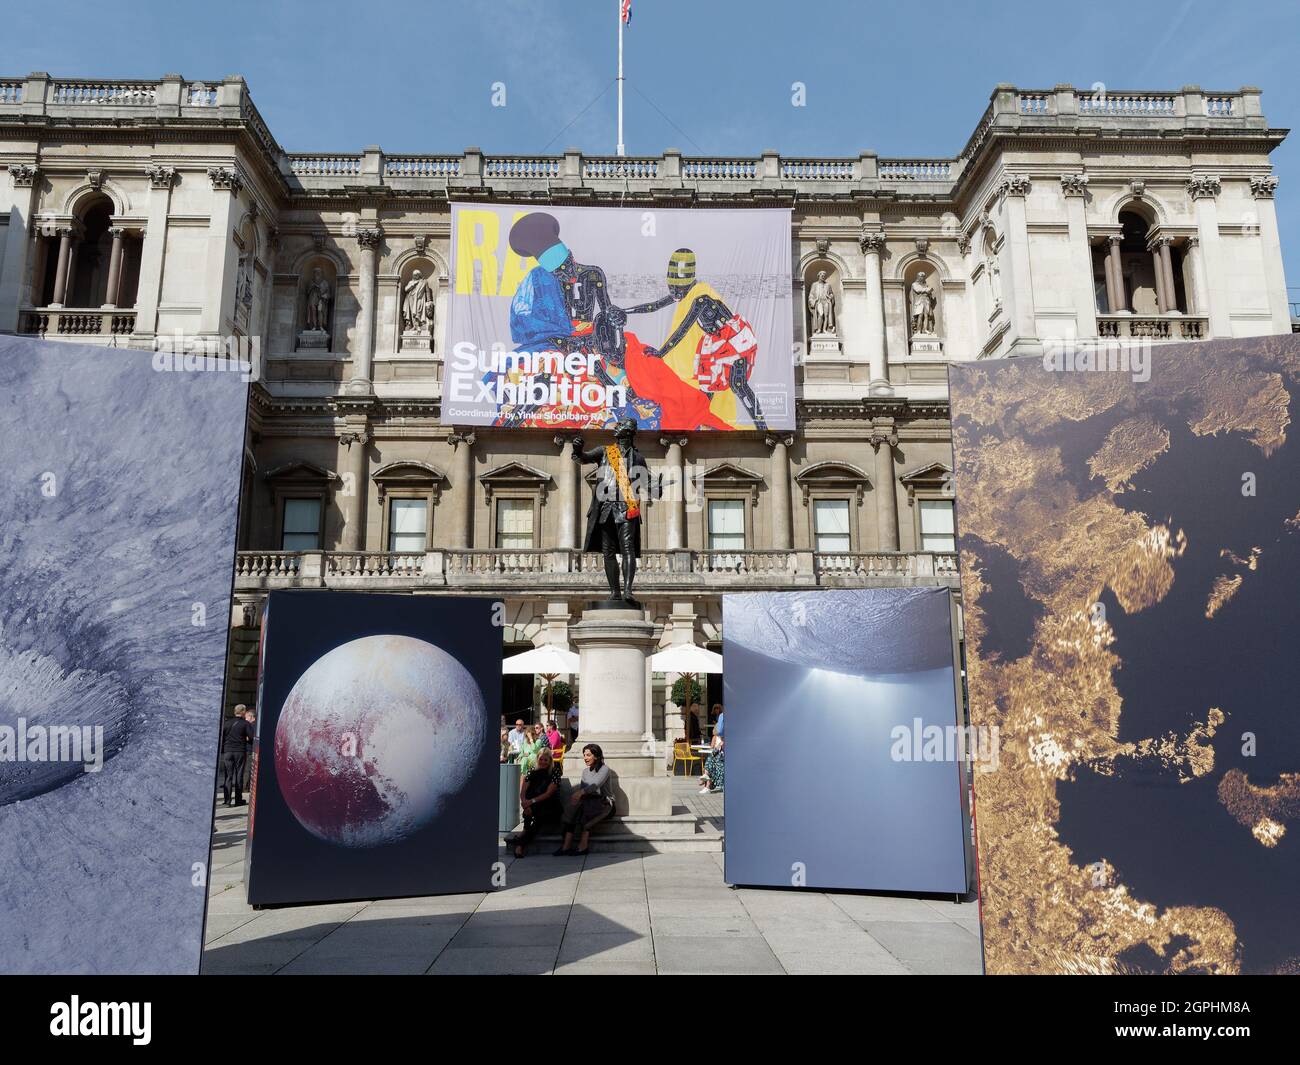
[(707, 840)]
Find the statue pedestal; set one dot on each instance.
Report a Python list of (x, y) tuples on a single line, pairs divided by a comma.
[(926, 345), (614, 645), (824, 345), (418, 341), (313, 340)]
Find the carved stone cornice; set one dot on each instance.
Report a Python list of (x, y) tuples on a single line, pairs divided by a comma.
[(883, 434), (226, 177), (369, 238), (161, 177), (669, 441), (871, 240), (1263, 186), (1156, 243), (24, 175), (1074, 184), (1204, 186), (354, 436), (463, 436), (786, 439)]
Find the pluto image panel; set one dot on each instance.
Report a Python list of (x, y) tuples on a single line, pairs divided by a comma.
[(1130, 558), (118, 507), (376, 748), (842, 760)]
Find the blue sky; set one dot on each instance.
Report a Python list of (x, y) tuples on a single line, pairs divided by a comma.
[(705, 76)]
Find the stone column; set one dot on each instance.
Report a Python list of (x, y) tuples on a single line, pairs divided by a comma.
[(1014, 188), (1262, 188), (111, 292), (153, 250), (462, 490), (1116, 267), (614, 646), (354, 439), (223, 254), (873, 246), (21, 208), (1158, 269), (1074, 187), (568, 495), (1167, 271), (782, 532), (1197, 298), (1203, 191), (363, 340), (64, 265), (676, 469), (883, 438)]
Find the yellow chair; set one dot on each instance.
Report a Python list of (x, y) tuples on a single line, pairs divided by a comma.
[(557, 755), (682, 753)]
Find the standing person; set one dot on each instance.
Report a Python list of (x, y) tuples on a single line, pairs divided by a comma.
[(571, 719), (515, 737), (715, 763), (539, 800), (250, 719), (591, 802), (232, 758)]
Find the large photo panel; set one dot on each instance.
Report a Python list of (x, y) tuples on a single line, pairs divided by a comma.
[(376, 748), (575, 317), (119, 494), (843, 746), (1129, 529)]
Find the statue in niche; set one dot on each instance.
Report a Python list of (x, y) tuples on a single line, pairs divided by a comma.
[(821, 303), (318, 301), (417, 304), (923, 304), (244, 281)]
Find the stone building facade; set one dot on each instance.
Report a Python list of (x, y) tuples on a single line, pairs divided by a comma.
[(164, 214)]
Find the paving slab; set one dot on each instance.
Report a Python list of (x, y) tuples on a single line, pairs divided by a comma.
[(716, 956), (930, 948)]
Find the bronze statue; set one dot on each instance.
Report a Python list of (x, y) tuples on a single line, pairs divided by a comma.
[(614, 517)]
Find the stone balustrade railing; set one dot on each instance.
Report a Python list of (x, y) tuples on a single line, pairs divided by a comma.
[(325, 165), (562, 569), (78, 322), (1153, 326), (1010, 111)]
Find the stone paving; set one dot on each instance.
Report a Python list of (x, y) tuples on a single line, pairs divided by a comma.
[(606, 913)]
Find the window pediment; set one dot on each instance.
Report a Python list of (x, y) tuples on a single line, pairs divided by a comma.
[(833, 476)]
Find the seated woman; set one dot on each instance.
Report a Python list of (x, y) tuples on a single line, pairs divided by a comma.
[(715, 763), (591, 802), (539, 799), (553, 736), (534, 744)]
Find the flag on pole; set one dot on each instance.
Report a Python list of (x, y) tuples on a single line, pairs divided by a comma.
[(627, 11)]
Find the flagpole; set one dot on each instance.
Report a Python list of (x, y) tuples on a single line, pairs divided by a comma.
[(618, 9)]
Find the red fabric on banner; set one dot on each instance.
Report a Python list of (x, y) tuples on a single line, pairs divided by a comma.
[(680, 405)]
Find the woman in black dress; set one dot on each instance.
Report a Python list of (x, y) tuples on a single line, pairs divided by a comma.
[(539, 799)]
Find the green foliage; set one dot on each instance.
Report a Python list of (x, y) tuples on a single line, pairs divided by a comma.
[(562, 695), (679, 692)]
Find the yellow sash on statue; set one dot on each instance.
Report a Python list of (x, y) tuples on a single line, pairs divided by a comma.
[(615, 459)]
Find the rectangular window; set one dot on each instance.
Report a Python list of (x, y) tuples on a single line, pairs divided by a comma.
[(938, 533), (407, 522), (515, 524), (726, 525), (301, 530), (831, 525)]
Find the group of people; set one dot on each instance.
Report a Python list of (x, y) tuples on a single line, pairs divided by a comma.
[(525, 743), (237, 755)]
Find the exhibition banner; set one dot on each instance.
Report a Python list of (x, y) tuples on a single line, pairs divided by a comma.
[(1129, 528), (575, 317), (844, 752), (119, 497), (376, 748)]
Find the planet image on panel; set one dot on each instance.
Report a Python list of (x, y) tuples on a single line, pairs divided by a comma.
[(374, 738)]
